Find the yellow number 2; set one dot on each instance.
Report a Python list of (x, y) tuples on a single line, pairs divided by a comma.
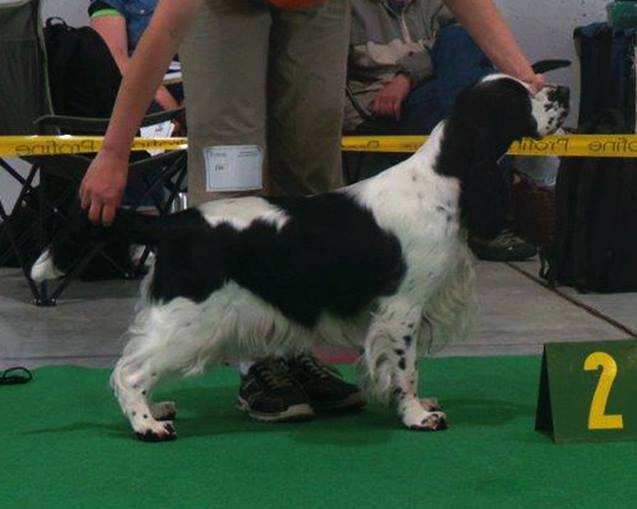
[(597, 418)]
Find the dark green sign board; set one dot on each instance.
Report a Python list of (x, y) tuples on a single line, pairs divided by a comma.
[(588, 391)]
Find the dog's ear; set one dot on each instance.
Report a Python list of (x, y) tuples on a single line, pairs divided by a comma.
[(543, 66)]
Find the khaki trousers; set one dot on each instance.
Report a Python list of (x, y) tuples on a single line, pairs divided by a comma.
[(256, 75)]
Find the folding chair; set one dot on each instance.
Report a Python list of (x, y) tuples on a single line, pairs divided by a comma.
[(25, 108), (354, 164)]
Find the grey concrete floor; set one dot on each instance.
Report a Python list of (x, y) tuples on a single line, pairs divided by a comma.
[(517, 315)]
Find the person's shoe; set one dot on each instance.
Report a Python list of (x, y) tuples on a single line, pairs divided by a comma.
[(325, 388), (506, 247), (269, 393)]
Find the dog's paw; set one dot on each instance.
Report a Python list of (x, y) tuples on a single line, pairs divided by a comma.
[(164, 411), (430, 404), (159, 432), (427, 421)]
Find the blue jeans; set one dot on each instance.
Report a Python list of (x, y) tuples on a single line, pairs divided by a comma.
[(458, 63)]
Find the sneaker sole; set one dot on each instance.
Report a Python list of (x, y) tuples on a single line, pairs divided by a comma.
[(351, 403), (295, 413)]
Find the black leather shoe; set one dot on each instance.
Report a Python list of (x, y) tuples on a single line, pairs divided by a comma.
[(324, 387)]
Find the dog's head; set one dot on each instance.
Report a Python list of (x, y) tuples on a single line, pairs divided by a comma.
[(487, 118), (505, 109)]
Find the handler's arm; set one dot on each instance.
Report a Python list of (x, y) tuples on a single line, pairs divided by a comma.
[(112, 28), (103, 185), (485, 24)]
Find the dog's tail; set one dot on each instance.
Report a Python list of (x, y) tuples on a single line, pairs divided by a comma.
[(79, 236)]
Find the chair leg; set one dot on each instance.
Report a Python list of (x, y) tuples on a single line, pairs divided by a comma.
[(45, 296), (75, 272), (37, 296)]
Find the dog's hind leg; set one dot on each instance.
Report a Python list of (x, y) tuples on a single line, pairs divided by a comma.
[(164, 340), (132, 384), (391, 358)]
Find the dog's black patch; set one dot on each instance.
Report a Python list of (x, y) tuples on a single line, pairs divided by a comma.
[(331, 256), (401, 363), (399, 351), (486, 119), (407, 340)]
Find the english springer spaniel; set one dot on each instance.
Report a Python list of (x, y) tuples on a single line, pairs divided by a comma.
[(381, 265)]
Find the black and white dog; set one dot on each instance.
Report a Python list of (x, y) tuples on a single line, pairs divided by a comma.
[(381, 265)]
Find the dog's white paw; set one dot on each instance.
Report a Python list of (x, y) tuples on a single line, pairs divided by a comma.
[(156, 431), (147, 428), (163, 411), (425, 421)]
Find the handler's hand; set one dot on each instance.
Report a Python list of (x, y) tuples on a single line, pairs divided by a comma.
[(103, 186), (389, 101), (537, 83)]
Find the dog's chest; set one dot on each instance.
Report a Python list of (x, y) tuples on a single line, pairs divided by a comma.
[(417, 206)]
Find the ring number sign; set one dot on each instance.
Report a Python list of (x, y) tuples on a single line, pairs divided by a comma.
[(598, 419), (587, 391)]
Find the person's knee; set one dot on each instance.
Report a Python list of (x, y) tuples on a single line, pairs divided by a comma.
[(458, 41)]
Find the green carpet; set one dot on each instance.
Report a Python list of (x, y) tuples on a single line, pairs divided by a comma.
[(65, 444)]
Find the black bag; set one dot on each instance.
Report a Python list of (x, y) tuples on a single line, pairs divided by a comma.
[(607, 75), (83, 81), (596, 245), (84, 78), (23, 225)]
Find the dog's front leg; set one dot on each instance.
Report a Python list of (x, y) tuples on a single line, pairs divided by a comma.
[(391, 356), (415, 413)]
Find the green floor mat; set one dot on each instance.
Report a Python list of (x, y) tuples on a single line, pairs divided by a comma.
[(65, 444)]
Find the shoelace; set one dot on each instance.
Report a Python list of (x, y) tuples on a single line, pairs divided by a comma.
[(316, 368), (275, 372), (19, 376)]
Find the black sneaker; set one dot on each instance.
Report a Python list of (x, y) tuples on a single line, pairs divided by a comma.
[(323, 385), (506, 247), (269, 393)]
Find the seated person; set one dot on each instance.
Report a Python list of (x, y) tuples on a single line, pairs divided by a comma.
[(121, 24), (409, 60)]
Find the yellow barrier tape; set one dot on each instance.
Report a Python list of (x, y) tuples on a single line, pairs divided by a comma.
[(24, 146), (577, 145)]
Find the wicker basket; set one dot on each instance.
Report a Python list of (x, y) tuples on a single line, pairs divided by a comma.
[(534, 212)]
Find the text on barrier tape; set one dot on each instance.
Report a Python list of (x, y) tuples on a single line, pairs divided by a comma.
[(577, 145), (25, 146)]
